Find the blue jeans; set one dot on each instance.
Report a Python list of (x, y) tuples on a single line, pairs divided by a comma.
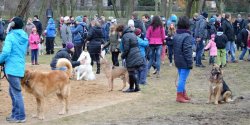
[(199, 52), (18, 111), (155, 53), (60, 68), (143, 73), (244, 50), (183, 74), (230, 46), (170, 53), (34, 54)]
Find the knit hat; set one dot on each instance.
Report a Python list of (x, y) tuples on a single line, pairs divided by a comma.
[(69, 45), (212, 20), (79, 19), (131, 23), (18, 23), (204, 14), (220, 29), (137, 31), (66, 18)]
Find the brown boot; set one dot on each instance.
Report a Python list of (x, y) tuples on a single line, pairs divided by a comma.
[(180, 98), (186, 96)]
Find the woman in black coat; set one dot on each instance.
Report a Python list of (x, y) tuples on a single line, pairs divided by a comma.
[(96, 39), (131, 54)]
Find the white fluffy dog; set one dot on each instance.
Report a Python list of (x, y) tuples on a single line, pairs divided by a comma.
[(84, 71)]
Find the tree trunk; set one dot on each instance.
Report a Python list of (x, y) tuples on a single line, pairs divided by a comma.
[(189, 8), (2, 5), (63, 7), (164, 8), (202, 5), (170, 6), (99, 8), (23, 8), (115, 8), (218, 6), (130, 8), (156, 6), (72, 7), (123, 5)]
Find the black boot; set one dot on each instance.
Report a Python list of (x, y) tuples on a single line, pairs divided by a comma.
[(131, 84), (137, 87), (98, 68)]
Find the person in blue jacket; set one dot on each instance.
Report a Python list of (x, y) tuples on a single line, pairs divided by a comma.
[(13, 57), (50, 36)]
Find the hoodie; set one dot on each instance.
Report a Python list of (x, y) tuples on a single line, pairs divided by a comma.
[(51, 28), (14, 50), (212, 46), (220, 40)]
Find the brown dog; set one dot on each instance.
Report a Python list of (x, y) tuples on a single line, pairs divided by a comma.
[(112, 72), (40, 84), (218, 87)]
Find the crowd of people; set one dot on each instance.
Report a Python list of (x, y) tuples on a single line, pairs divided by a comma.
[(142, 42)]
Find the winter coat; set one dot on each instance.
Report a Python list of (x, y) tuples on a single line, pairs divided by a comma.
[(245, 23), (228, 30), (143, 43), (28, 28), (192, 25), (139, 24), (183, 49), (96, 39), (156, 36), (201, 28), (238, 25), (66, 34), (39, 26), (242, 38), (211, 30), (114, 43), (212, 47), (14, 51), (77, 33), (131, 52), (34, 40), (220, 40), (63, 53), (51, 28), (147, 24)]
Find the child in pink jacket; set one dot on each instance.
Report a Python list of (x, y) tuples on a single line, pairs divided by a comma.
[(34, 40), (213, 49)]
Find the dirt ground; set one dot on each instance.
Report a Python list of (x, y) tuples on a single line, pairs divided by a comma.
[(91, 103)]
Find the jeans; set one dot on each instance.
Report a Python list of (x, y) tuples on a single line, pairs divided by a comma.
[(199, 52), (18, 111), (170, 54), (163, 53), (230, 46), (34, 55), (183, 74), (155, 52), (244, 50), (50, 45), (115, 58), (143, 73)]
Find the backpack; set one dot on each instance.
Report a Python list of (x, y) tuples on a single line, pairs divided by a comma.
[(2, 35), (83, 34)]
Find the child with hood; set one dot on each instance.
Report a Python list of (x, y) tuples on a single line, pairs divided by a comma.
[(213, 49), (221, 40)]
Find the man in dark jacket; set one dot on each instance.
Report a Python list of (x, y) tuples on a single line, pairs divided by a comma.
[(65, 53), (131, 54), (238, 26), (193, 23), (246, 21), (200, 35), (228, 30), (146, 19), (38, 25), (243, 37), (138, 23)]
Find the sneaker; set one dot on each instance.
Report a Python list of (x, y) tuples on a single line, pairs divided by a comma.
[(12, 120), (155, 71), (8, 118), (170, 64), (129, 90)]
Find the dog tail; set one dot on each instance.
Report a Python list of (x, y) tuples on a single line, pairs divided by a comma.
[(63, 62)]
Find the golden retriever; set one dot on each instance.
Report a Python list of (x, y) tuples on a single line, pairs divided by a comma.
[(41, 84), (112, 72), (218, 87)]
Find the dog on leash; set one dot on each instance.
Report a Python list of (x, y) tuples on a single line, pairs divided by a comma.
[(41, 84), (218, 87), (84, 71), (112, 73)]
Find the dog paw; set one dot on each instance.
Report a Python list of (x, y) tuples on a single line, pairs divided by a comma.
[(35, 116), (41, 117), (216, 103), (61, 113), (208, 102)]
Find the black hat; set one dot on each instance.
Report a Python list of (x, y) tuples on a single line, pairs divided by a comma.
[(220, 29), (204, 14), (18, 23)]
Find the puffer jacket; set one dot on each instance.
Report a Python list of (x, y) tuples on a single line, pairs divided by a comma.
[(51, 28), (228, 30), (183, 49), (34, 40), (156, 36), (131, 52), (14, 51), (201, 28), (114, 43), (63, 53), (77, 33), (96, 39)]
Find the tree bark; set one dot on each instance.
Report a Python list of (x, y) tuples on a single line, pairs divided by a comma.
[(130, 8), (123, 5), (72, 7), (99, 8), (156, 6), (115, 8), (63, 7), (164, 8), (189, 8), (202, 5), (218, 6), (23, 8), (170, 7)]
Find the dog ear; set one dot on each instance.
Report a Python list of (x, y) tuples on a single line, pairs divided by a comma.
[(221, 71)]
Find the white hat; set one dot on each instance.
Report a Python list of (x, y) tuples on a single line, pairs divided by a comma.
[(131, 22), (113, 20), (66, 18)]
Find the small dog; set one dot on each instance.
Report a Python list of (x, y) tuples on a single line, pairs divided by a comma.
[(218, 87), (84, 71), (112, 72), (41, 84)]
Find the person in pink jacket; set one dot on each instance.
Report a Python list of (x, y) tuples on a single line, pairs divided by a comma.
[(156, 36), (34, 40), (213, 49)]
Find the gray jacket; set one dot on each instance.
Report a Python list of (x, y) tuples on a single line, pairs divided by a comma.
[(28, 28), (201, 28), (66, 34)]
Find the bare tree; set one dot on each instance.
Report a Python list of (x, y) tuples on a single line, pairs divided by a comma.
[(170, 6), (164, 8), (130, 8), (123, 5), (189, 7), (73, 7), (218, 6), (157, 2), (115, 8), (62, 7), (23, 7), (202, 4)]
